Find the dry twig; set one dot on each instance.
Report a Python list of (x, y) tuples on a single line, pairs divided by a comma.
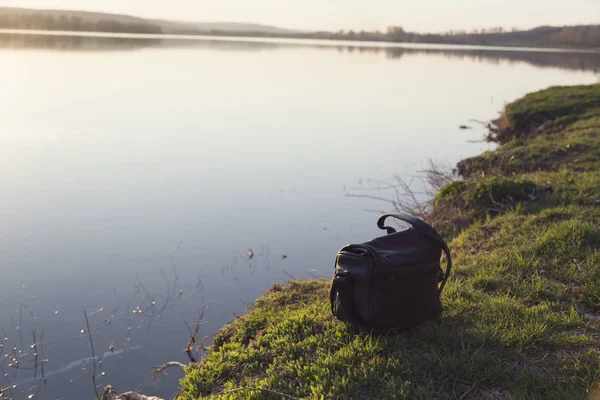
[(87, 322), (404, 198), (161, 368), (111, 394)]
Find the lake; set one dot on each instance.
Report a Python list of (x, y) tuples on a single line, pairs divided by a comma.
[(136, 175)]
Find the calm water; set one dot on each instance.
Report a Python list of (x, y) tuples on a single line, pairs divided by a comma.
[(134, 171)]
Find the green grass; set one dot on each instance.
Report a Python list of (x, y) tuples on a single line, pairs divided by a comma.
[(522, 309), (560, 104), (576, 147), (485, 194)]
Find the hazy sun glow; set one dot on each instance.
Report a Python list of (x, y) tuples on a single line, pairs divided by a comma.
[(423, 15)]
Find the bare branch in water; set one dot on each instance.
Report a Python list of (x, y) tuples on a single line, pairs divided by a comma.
[(438, 176), (44, 361), (141, 286), (194, 336), (238, 317), (367, 196), (288, 274), (189, 350), (188, 328), (20, 325), (375, 211), (87, 322), (404, 198), (246, 304), (35, 353), (161, 368), (39, 387), (111, 394), (201, 346), (319, 278)]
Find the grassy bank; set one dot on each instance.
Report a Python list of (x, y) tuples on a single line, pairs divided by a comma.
[(522, 310)]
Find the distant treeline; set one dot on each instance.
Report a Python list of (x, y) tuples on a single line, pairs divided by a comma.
[(46, 21), (586, 36)]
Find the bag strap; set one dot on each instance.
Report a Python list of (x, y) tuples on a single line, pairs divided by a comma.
[(425, 230)]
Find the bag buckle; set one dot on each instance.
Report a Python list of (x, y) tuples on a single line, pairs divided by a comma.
[(342, 274), (342, 280)]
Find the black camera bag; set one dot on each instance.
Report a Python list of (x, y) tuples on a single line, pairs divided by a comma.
[(391, 283)]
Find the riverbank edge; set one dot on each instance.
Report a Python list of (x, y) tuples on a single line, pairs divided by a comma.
[(522, 310)]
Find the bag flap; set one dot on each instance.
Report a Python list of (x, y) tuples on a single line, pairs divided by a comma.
[(405, 247)]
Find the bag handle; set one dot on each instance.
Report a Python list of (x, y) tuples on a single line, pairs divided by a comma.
[(425, 230)]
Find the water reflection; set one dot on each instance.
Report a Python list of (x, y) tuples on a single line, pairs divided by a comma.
[(569, 61), (564, 60), (33, 366), (73, 43)]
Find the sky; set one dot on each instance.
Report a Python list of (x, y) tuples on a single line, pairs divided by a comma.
[(413, 15)]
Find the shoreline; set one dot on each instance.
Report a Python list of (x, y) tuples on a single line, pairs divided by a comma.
[(522, 309)]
